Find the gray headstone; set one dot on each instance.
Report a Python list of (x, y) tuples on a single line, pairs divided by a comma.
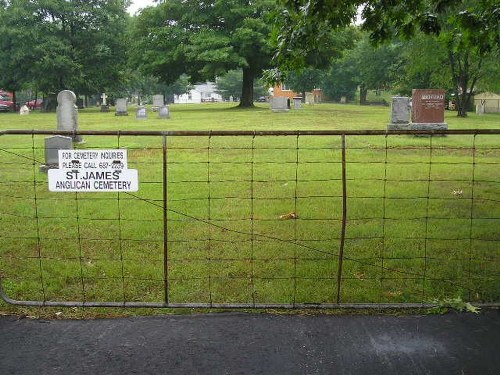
[(297, 102), (400, 113), (67, 113), (164, 111), (141, 113), (52, 146), (279, 104), (309, 98), (121, 107), (158, 102), (343, 100)]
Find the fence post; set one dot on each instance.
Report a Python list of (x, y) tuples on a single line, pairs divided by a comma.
[(165, 219), (344, 218)]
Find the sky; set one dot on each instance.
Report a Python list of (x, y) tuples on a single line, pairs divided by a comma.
[(138, 4)]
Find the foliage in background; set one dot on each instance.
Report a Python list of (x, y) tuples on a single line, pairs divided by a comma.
[(205, 40), (52, 45), (231, 85), (468, 31)]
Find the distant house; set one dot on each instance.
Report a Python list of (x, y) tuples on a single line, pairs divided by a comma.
[(200, 93), (316, 96), (491, 102)]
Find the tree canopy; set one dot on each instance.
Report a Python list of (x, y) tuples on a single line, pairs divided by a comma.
[(468, 30), (55, 45), (205, 39)]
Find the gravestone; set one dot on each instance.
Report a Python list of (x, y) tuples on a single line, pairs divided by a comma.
[(280, 104), (427, 111), (231, 98), (297, 102), (67, 114), (158, 101), (343, 100), (481, 107), (164, 111), (141, 113), (400, 113), (52, 147), (24, 110), (104, 103), (79, 103), (121, 107), (309, 98)]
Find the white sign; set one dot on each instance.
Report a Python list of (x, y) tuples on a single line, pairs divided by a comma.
[(93, 171)]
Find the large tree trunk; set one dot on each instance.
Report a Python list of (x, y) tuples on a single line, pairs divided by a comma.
[(246, 100), (14, 100), (363, 93)]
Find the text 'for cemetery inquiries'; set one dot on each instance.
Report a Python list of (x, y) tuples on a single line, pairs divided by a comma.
[(93, 171)]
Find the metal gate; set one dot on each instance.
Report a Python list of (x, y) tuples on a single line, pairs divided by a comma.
[(268, 219)]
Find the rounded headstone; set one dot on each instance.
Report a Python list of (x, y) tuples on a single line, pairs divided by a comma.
[(66, 96)]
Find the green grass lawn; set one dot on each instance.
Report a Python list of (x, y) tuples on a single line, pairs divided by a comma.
[(423, 213)]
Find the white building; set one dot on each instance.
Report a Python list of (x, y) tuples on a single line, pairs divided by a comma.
[(205, 92)]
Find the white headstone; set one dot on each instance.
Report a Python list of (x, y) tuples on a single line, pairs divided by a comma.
[(67, 114), (158, 102), (104, 97), (297, 102), (121, 107), (480, 108), (164, 111), (141, 113), (24, 110), (309, 98)]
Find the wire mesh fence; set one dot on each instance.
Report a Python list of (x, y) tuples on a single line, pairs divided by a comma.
[(258, 219)]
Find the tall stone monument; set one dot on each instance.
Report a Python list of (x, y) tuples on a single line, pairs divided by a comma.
[(104, 103), (67, 113), (427, 111)]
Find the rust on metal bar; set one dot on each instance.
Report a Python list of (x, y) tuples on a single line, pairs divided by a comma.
[(165, 217), (189, 133), (344, 219)]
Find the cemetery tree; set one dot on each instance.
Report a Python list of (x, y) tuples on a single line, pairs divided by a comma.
[(230, 84), (374, 66), (468, 29), (60, 44), (305, 80), (204, 40), (340, 80), (16, 45)]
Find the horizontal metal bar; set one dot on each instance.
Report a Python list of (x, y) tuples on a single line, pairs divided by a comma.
[(156, 305), (253, 133)]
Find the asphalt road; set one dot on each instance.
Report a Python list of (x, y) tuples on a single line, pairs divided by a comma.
[(241, 343)]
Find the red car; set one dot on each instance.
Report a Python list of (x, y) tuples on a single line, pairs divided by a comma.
[(35, 104), (6, 104)]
